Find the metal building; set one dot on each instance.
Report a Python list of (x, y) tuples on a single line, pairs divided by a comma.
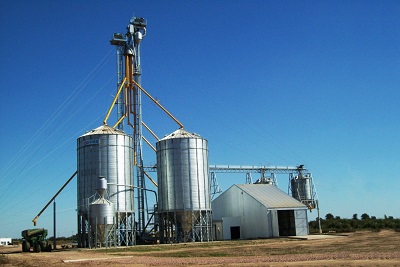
[(106, 152), (248, 211), (5, 241), (184, 202)]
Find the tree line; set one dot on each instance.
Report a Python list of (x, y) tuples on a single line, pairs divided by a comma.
[(333, 223)]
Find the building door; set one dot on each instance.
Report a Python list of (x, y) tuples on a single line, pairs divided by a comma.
[(301, 222), (235, 232), (231, 227), (286, 223)]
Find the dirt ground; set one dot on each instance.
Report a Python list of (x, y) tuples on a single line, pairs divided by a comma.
[(354, 249)]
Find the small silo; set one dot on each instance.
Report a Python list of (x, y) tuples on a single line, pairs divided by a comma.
[(102, 218), (184, 201), (106, 152), (302, 189)]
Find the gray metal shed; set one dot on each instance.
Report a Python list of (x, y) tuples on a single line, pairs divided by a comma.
[(249, 211)]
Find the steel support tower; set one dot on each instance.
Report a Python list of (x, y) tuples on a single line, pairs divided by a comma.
[(129, 103)]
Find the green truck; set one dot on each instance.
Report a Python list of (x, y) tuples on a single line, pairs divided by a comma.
[(36, 239)]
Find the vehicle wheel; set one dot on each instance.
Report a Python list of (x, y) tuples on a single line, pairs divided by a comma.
[(36, 247), (48, 248), (25, 246)]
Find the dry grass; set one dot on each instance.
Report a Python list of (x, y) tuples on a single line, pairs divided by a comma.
[(355, 249)]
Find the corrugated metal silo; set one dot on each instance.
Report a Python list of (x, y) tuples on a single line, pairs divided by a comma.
[(183, 186), (102, 220), (302, 189), (105, 152)]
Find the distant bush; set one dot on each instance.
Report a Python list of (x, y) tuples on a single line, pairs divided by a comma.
[(340, 225)]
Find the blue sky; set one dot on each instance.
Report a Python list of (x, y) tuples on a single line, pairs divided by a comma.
[(265, 82)]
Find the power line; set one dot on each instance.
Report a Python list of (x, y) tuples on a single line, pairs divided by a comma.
[(55, 115), (21, 156)]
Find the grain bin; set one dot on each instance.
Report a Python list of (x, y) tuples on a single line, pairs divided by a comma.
[(183, 187), (105, 152), (302, 189), (102, 219)]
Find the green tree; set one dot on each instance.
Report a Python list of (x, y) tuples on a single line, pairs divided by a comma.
[(355, 216), (329, 216), (364, 216)]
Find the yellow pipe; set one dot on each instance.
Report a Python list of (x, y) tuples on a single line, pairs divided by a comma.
[(158, 104), (148, 176), (119, 121), (147, 141), (152, 133), (134, 158), (128, 66), (48, 203), (115, 100), (34, 220)]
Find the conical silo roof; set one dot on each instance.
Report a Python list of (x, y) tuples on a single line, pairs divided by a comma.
[(104, 129), (181, 133)]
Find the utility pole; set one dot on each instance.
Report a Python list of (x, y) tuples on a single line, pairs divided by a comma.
[(54, 224)]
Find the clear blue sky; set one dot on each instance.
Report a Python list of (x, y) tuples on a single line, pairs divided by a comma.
[(265, 82)]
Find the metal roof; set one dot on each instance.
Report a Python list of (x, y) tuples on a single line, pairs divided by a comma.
[(104, 129), (270, 196), (181, 133)]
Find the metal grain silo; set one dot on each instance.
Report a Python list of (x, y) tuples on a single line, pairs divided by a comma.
[(183, 186), (102, 222), (102, 217), (302, 189), (106, 152)]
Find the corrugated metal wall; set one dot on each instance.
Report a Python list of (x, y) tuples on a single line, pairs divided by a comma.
[(227, 223), (301, 222), (256, 220)]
